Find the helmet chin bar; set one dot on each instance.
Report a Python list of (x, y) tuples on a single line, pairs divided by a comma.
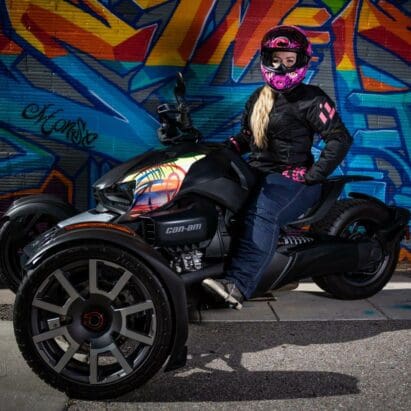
[(283, 82)]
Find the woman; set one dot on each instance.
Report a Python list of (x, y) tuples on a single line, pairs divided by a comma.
[(278, 126)]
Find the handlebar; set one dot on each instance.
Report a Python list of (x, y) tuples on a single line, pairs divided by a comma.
[(184, 116), (176, 123)]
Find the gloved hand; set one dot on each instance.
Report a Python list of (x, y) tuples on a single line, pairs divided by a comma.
[(310, 180), (232, 144)]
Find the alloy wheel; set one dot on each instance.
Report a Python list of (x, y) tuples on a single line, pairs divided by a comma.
[(93, 321)]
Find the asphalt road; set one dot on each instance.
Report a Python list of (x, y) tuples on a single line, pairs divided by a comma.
[(356, 365), (349, 365)]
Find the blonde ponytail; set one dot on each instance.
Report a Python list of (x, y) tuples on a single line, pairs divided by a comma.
[(260, 116)]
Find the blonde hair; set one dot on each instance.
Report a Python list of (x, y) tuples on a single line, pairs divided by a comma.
[(260, 116)]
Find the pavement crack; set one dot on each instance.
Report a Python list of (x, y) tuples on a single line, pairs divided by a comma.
[(272, 309), (379, 309)]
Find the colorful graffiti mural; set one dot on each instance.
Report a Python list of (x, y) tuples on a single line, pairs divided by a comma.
[(80, 81)]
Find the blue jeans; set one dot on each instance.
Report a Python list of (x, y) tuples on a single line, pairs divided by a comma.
[(279, 201)]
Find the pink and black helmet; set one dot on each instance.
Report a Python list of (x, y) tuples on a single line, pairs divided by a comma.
[(285, 38)]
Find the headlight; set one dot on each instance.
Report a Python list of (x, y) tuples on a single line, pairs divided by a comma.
[(118, 196)]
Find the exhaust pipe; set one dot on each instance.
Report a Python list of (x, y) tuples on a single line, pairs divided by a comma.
[(213, 271)]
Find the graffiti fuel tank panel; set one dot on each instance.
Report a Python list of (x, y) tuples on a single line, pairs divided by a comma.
[(159, 184)]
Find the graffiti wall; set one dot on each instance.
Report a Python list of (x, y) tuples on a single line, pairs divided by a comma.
[(80, 81)]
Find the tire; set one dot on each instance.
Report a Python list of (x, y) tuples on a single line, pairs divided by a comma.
[(93, 336), (357, 218), (15, 234)]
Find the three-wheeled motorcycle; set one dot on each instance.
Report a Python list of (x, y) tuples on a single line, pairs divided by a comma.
[(103, 295)]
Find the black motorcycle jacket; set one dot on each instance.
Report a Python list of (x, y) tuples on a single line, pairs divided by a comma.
[(295, 118)]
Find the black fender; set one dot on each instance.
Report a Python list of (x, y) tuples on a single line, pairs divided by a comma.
[(364, 196), (41, 203), (397, 227), (117, 235)]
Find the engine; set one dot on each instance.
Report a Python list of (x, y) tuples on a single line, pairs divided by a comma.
[(186, 261)]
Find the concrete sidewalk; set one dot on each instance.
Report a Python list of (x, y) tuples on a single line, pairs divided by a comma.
[(309, 303), (306, 303)]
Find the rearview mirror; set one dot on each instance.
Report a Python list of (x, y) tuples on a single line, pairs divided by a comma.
[(180, 87)]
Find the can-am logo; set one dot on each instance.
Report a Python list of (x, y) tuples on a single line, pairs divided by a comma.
[(183, 228)]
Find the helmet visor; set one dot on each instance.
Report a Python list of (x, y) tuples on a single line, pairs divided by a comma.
[(279, 65)]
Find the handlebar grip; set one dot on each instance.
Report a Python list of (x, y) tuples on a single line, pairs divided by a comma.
[(185, 118)]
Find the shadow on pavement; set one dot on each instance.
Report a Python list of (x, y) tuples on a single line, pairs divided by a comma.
[(216, 371), (243, 385)]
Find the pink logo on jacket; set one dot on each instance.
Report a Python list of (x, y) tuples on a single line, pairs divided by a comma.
[(328, 114)]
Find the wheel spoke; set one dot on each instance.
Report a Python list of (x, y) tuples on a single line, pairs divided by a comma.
[(133, 309), (137, 308), (48, 335), (145, 339), (68, 355), (121, 359), (93, 359), (93, 281), (92, 272), (71, 291), (119, 285), (56, 309)]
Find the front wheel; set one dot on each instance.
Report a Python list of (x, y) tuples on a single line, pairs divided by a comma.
[(26, 219), (357, 219), (93, 321)]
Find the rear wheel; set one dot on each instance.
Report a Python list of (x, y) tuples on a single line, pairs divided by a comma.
[(93, 321), (356, 219)]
